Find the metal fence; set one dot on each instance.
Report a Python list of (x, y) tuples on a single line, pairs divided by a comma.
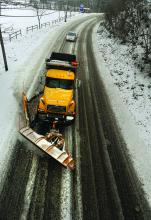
[(31, 28), (36, 27), (45, 24), (15, 34)]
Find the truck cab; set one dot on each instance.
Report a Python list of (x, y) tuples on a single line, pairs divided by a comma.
[(57, 101)]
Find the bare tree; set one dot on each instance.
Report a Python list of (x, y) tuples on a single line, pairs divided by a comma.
[(39, 12)]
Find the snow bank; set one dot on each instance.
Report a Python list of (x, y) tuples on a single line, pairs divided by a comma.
[(140, 152)]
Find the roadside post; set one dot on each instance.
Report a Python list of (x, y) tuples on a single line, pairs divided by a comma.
[(3, 50)]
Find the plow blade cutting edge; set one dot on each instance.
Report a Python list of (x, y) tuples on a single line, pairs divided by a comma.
[(49, 147)]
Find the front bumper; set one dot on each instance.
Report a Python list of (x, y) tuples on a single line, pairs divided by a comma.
[(60, 119), (71, 40)]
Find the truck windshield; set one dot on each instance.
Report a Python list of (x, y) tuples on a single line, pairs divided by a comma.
[(59, 83)]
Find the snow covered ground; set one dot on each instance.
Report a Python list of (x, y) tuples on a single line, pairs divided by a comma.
[(129, 90), (15, 19)]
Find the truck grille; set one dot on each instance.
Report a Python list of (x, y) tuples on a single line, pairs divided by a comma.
[(55, 108)]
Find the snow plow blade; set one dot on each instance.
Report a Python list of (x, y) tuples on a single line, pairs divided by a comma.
[(50, 147)]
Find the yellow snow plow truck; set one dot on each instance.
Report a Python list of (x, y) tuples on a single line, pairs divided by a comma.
[(57, 102), (53, 108)]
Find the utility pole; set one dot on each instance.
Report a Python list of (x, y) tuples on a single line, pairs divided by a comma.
[(2, 45), (3, 50), (65, 18)]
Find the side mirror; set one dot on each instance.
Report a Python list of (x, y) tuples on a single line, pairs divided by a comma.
[(77, 83), (42, 80)]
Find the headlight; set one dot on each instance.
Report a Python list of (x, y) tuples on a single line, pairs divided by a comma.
[(41, 110), (69, 118)]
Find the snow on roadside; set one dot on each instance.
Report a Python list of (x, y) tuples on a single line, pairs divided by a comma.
[(129, 93), (134, 86)]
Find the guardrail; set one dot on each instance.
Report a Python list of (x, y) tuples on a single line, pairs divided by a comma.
[(15, 34), (8, 30), (54, 22), (36, 27), (31, 28), (45, 24)]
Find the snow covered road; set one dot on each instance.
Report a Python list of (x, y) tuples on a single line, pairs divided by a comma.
[(24, 76)]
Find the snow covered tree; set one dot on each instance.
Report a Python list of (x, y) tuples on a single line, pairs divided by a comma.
[(130, 21)]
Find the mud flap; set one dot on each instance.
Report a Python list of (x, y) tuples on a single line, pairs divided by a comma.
[(51, 147)]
